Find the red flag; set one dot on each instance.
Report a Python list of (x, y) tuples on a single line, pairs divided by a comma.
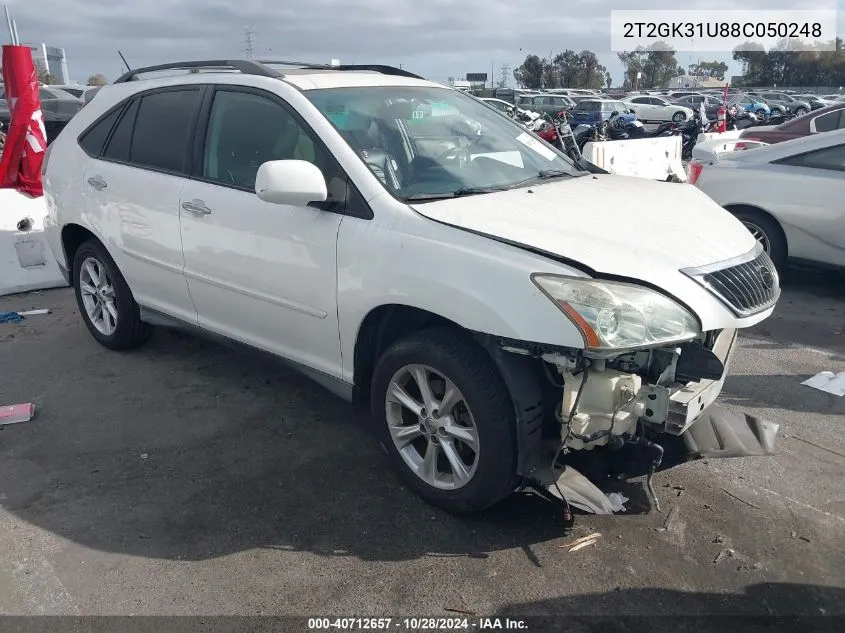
[(26, 138)]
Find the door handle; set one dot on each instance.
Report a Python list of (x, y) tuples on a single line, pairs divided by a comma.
[(196, 206), (98, 183)]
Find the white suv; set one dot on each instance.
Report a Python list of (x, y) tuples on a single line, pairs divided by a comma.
[(401, 242)]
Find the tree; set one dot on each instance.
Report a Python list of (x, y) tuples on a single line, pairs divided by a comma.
[(44, 76), (660, 66), (567, 66), (632, 62), (530, 73), (97, 79), (714, 69), (591, 72)]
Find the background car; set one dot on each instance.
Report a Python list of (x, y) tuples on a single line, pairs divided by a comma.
[(650, 108), (711, 104), (788, 195), (57, 106), (590, 111), (546, 103), (816, 102), (824, 120), (783, 103), (750, 103)]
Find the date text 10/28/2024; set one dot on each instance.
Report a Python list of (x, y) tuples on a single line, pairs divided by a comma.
[(416, 624)]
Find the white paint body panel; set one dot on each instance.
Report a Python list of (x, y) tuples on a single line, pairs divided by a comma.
[(806, 202), (299, 282)]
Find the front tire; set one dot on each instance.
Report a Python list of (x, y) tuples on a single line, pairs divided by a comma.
[(768, 233), (445, 417), (679, 117), (105, 300)]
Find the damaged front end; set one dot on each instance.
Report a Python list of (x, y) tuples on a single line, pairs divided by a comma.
[(633, 414)]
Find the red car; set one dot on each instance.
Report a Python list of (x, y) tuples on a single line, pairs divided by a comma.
[(822, 120)]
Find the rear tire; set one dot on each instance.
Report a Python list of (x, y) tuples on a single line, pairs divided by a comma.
[(105, 300), (679, 117), (800, 111), (480, 420), (769, 233)]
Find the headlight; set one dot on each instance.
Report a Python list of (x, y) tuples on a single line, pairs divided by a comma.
[(618, 316)]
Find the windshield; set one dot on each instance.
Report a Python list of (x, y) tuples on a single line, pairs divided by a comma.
[(430, 142)]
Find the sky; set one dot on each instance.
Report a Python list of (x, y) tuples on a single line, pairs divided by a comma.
[(436, 38)]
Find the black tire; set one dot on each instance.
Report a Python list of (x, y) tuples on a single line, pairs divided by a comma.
[(679, 117), (772, 232), (801, 110), (130, 331), (474, 373)]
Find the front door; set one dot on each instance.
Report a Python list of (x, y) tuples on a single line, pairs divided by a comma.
[(261, 273)]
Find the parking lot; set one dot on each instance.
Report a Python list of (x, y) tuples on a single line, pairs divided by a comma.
[(188, 478)]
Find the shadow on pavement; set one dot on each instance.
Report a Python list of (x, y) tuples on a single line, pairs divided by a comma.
[(781, 391), (761, 607), (227, 453)]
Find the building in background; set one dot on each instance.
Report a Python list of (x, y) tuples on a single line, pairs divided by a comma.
[(52, 60)]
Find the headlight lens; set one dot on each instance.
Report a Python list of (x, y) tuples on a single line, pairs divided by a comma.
[(618, 316)]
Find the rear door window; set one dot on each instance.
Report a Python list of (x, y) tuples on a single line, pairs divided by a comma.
[(164, 128)]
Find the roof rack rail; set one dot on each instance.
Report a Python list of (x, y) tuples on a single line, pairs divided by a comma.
[(244, 66), (261, 68), (377, 68)]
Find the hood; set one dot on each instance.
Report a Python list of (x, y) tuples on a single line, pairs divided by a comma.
[(618, 225)]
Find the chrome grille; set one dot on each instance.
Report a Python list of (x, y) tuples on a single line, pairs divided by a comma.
[(747, 285)]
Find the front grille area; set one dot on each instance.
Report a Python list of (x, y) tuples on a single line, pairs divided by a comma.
[(746, 288)]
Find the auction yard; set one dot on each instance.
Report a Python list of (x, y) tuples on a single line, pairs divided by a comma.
[(187, 478)]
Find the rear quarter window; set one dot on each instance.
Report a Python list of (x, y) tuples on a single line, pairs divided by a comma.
[(94, 138)]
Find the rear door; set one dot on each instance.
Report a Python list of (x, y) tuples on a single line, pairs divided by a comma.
[(812, 206), (133, 192)]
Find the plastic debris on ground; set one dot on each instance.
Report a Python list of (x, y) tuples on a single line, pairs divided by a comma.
[(617, 501), (10, 317), (581, 493), (34, 312), (828, 382), (14, 413)]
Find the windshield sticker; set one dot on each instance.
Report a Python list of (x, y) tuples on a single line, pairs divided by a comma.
[(532, 143), (509, 158)]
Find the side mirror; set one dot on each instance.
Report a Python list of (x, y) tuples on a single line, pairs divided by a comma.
[(293, 182)]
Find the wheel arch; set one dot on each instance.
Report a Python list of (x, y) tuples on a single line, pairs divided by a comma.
[(755, 210), (72, 237), (388, 323)]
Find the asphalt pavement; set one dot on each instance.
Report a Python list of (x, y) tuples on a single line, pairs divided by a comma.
[(189, 478)]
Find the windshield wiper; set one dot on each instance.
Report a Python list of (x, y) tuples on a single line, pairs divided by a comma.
[(543, 174), (458, 193)]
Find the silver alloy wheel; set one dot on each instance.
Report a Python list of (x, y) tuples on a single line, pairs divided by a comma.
[(432, 427), (759, 235), (98, 296), (800, 111)]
